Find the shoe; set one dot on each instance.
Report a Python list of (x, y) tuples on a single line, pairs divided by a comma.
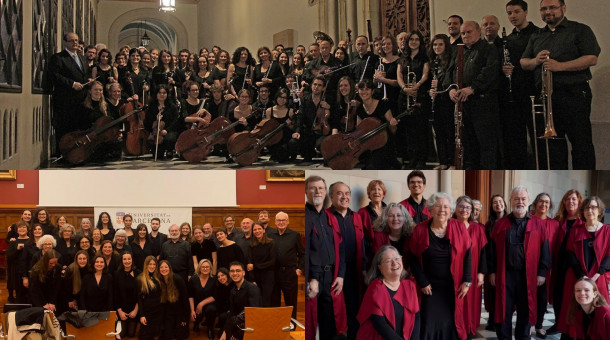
[(552, 330), (541, 333), (490, 327), (210, 333), (195, 328)]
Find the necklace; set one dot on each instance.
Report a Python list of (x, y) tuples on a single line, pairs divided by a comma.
[(439, 234), (392, 285), (594, 227)]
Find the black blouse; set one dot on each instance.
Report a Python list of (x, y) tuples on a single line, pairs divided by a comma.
[(228, 254), (126, 289), (94, 296)]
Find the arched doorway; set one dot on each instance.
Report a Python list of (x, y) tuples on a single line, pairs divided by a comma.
[(162, 36)]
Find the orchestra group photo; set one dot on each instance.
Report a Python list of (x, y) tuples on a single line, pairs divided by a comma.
[(411, 255), (475, 96)]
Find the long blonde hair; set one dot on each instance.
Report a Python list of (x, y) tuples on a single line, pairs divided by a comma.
[(75, 270), (147, 284), (89, 104)]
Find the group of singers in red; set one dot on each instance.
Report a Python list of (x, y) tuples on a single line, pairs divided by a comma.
[(419, 269), (156, 283)]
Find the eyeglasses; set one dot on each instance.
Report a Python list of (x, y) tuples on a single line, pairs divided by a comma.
[(444, 207), (84, 242), (591, 207), (280, 220), (235, 270), (389, 261), (465, 207), (550, 8)]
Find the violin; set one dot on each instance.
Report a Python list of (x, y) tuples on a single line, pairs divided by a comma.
[(156, 135), (76, 147), (341, 151), (349, 120), (320, 122), (245, 147), (196, 144), (136, 135)]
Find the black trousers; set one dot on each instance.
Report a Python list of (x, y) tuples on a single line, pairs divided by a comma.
[(572, 119), (517, 122), (541, 305), (516, 295), (326, 315), (286, 282), (352, 299), (209, 312), (481, 132)]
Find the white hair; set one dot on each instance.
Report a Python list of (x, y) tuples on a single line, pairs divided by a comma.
[(44, 239), (438, 195), (518, 189)]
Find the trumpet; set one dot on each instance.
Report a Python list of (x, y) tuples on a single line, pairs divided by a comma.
[(381, 68), (410, 83)]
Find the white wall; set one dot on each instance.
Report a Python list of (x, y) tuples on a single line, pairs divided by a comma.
[(252, 23), (142, 188), (590, 12)]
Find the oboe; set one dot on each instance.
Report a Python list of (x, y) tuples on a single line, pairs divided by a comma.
[(459, 109), (506, 61), (437, 61)]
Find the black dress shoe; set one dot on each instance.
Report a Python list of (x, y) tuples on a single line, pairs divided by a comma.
[(210, 333), (552, 330), (541, 333), (195, 328), (490, 327)]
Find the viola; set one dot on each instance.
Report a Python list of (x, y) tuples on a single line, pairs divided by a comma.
[(320, 122), (76, 147), (245, 147), (196, 144), (349, 120), (136, 134), (341, 151)]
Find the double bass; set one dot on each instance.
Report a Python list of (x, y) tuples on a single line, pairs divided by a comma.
[(245, 147), (136, 135), (342, 150), (196, 144), (76, 147)]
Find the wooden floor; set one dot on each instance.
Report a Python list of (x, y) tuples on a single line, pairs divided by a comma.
[(202, 333)]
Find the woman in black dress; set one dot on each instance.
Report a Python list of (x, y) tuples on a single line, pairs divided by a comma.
[(24, 262), (240, 71), (219, 72), (96, 290), (284, 63), (384, 158), (141, 246), (104, 71), (85, 243), (202, 75), (228, 251), (165, 74), (441, 263), (150, 299), (414, 130), (267, 71), (285, 149), (346, 100), (193, 112), (110, 255), (104, 223), (261, 262), (203, 248), (65, 245), (497, 210), (137, 77), (44, 219), (388, 77), (443, 108), (45, 281), (120, 242), (72, 282), (201, 297), (243, 111), (177, 303), (126, 295), (221, 296), (15, 248), (165, 110)]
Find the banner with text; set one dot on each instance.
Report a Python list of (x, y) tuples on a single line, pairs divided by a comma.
[(168, 216)]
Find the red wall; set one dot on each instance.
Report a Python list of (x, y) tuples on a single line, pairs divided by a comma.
[(248, 191), (9, 194)]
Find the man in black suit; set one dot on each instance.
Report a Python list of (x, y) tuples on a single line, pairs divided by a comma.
[(69, 71)]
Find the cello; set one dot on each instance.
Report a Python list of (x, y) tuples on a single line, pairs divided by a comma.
[(196, 144), (136, 135), (76, 147), (245, 147), (342, 150)]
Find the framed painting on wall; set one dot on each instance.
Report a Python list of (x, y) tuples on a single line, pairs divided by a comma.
[(285, 175), (8, 175), (11, 43)]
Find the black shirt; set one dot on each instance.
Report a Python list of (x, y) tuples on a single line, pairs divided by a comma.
[(126, 289), (570, 40), (516, 43), (94, 296), (290, 251), (321, 250), (361, 62), (348, 234), (248, 295), (203, 250), (419, 209), (515, 251)]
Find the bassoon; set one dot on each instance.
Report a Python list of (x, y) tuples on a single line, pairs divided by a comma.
[(459, 110)]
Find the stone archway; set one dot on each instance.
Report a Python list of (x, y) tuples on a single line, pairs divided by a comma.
[(146, 13)]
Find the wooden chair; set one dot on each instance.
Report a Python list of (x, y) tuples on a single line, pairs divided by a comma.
[(104, 330), (267, 323), (3, 328)]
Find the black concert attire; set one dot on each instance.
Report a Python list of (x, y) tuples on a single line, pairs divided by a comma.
[(109, 236), (332, 79), (392, 92), (67, 252), (287, 147), (150, 307), (384, 158), (159, 77), (47, 292), (65, 71), (66, 292), (248, 295), (320, 265), (14, 281), (258, 104), (220, 109), (186, 110), (480, 133), (363, 64), (456, 42), (234, 234), (115, 111), (103, 75), (220, 75), (310, 139), (172, 124), (141, 253), (126, 248), (179, 255), (444, 123), (337, 119), (199, 293), (221, 300), (414, 135), (571, 91), (177, 312), (519, 112), (228, 254), (263, 258), (113, 264), (126, 291), (94, 296), (239, 76), (290, 257), (273, 72), (208, 80), (203, 250), (244, 243), (250, 122), (137, 80)]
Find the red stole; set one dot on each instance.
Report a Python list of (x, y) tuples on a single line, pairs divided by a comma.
[(367, 223), (535, 236), (551, 226), (311, 305), (460, 242), (405, 203), (377, 301), (575, 244), (599, 328), (472, 302)]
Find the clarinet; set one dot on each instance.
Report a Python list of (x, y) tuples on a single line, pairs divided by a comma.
[(459, 109), (506, 61), (435, 77)]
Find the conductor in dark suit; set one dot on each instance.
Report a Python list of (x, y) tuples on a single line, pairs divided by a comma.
[(69, 73)]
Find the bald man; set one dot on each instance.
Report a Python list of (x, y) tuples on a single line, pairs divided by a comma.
[(479, 95)]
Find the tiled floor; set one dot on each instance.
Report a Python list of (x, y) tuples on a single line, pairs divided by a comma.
[(549, 319)]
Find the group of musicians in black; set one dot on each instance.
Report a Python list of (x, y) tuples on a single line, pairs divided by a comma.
[(404, 81)]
